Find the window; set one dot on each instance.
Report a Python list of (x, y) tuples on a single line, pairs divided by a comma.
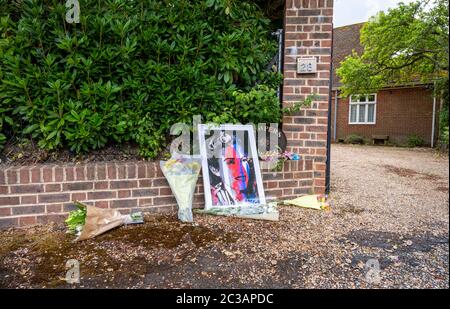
[(363, 109)]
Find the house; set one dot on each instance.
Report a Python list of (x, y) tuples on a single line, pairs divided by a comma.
[(390, 115)]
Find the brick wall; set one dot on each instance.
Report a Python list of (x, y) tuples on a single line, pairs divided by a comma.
[(44, 193), (400, 113), (308, 32)]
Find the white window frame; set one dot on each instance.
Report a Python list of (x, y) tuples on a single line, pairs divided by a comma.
[(358, 104)]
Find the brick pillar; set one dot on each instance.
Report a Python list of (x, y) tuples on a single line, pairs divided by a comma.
[(308, 32)]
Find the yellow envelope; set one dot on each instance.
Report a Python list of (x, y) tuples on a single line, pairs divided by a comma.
[(307, 201)]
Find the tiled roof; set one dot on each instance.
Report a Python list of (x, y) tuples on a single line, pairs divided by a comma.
[(345, 40)]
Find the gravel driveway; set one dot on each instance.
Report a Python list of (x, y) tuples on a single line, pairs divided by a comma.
[(390, 209)]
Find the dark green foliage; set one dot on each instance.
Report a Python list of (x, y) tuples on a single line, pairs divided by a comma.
[(131, 69), (442, 89), (415, 141), (354, 139)]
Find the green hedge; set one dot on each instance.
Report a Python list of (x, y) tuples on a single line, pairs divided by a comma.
[(131, 69)]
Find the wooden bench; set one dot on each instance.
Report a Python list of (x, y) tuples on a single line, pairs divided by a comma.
[(380, 139)]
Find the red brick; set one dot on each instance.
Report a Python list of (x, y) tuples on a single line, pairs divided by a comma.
[(67, 207), (5, 211), (302, 175), (157, 171), (28, 199), (166, 191), (54, 208), (9, 200), (160, 182), (102, 204), (316, 128), (271, 184), (308, 165), (101, 195), (51, 218), (288, 184), (3, 190), (8, 222), (101, 171), (25, 210), (319, 182), (54, 187), (145, 192), (141, 171), (303, 191), (24, 175), (54, 198), (123, 193), (70, 173), (59, 174), (168, 200), (78, 186), (80, 173), (26, 221), (131, 171), (305, 183), (123, 203), (275, 193), (121, 171), (81, 196), (151, 172), (111, 171), (47, 173), (35, 174), (102, 185), (123, 184), (90, 172), (11, 176), (145, 202)]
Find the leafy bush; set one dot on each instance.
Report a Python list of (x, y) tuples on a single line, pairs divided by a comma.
[(444, 136), (354, 139), (442, 88), (415, 141), (131, 69)]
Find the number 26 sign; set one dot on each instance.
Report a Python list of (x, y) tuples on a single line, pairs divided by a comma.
[(306, 65)]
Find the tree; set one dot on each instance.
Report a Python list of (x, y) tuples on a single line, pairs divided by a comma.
[(408, 44)]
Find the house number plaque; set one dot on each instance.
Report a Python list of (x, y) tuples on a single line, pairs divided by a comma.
[(306, 65)]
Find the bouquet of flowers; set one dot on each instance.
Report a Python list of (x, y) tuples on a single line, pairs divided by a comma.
[(182, 175), (275, 159), (267, 212), (275, 156), (89, 221)]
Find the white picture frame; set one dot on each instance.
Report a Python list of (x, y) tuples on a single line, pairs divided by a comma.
[(235, 181)]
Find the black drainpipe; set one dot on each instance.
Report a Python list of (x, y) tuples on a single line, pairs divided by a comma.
[(328, 168)]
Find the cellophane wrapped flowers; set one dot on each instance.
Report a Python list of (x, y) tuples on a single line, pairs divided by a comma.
[(182, 175)]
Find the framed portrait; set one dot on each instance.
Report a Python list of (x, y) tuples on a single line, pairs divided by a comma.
[(231, 171)]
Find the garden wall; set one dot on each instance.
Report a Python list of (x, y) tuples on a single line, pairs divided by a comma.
[(39, 194), (45, 193)]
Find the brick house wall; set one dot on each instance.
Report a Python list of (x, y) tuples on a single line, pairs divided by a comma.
[(399, 113), (45, 193)]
